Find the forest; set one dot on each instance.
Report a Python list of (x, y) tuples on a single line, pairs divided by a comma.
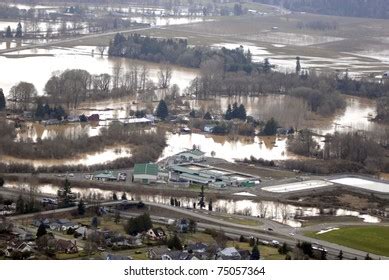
[(177, 51)]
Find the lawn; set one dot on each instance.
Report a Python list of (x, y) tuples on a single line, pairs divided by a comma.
[(372, 239)]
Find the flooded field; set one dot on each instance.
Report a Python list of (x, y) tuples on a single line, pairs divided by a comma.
[(106, 156), (269, 148), (284, 213), (355, 117), (22, 65)]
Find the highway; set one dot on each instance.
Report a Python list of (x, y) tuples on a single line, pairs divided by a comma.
[(206, 219)]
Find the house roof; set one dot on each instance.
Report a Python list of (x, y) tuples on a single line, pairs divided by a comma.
[(195, 152), (230, 252), (146, 169), (107, 175)]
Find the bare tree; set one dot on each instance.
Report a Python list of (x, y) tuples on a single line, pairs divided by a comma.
[(101, 50), (165, 75)]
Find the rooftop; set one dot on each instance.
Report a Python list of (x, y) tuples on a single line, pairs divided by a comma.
[(146, 169)]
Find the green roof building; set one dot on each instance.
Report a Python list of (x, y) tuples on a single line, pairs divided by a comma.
[(146, 173)]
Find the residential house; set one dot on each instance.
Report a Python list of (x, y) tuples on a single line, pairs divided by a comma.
[(156, 253), (145, 173), (209, 128), (197, 248), (182, 225), (66, 246), (94, 118), (112, 257), (230, 253), (22, 234), (156, 234)]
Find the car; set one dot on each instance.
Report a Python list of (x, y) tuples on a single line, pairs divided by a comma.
[(71, 175), (270, 229), (291, 233), (275, 242)]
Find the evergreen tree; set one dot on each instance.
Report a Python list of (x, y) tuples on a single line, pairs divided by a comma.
[(124, 196), (340, 256), (162, 110), (20, 205), (192, 226), (235, 112), (270, 127), (174, 243), (81, 207), (207, 116), (2, 100), (41, 230), (1, 182), (8, 32), (255, 255), (210, 207), (114, 196), (40, 111), (298, 65), (192, 113), (19, 32), (228, 115), (266, 66), (117, 217), (202, 198), (65, 194), (95, 222), (172, 201), (242, 112)]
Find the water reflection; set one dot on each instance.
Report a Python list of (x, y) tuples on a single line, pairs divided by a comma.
[(284, 213)]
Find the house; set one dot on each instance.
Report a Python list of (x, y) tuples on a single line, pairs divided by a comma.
[(156, 253), (197, 248), (112, 257), (94, 118), (176, 255), (145, 173), (156, 234), (209, 128), (194, 155), (22, 234), (66, 246), (106, 176), (38, 222), (73, 118), (244, 254), (140, 121), (185, 130), (182, 225), (230, 253)]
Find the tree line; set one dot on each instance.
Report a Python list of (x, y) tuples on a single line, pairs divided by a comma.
[(352, 8), (177, 51)]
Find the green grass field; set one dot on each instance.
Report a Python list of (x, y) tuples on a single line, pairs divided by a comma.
[(372, 239)]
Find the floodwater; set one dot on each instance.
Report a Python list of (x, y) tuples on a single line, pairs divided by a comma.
[(106, 156), (269, 148), (284, 213), (37, 65), (355, 116)]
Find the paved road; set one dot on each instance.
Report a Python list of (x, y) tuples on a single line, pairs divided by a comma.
[(280, 232)]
